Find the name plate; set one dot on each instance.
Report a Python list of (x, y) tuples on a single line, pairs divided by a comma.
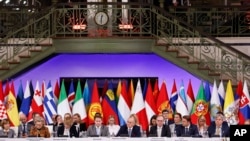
[(157, 139)]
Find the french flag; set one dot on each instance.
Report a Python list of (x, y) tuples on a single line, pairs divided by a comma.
[(244, 110)]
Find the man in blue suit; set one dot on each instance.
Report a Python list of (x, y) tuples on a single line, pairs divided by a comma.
[(187, 129), (130, 129), (218, 129)]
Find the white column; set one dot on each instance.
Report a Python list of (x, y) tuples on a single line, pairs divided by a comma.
[(124, 13), (110, 12), (92, 9)]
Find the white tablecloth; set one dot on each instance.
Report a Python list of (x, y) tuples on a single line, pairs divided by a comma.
[(115, 139)]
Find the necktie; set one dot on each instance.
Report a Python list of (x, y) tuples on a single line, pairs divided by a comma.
[(24, 129), (166, 122), (186, 131), (129, 132)]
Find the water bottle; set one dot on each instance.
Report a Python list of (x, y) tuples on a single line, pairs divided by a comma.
[(144, 134), (174, 135), (205, 134)]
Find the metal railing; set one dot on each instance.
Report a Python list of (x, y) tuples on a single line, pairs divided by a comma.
[(147, 21)]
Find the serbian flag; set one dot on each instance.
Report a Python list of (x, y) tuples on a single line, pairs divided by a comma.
[(95, 106), (163, 100), (244, 111), (110, 105), (201, 107), (138, 107)]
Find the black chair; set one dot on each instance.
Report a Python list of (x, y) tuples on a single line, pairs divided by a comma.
[(3, 136)]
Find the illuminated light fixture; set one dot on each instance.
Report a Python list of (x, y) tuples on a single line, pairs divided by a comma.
[(125, 26), (7, 1), (79, 27)]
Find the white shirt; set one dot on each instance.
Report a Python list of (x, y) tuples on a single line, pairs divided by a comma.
[(113, 129), (159, 129)]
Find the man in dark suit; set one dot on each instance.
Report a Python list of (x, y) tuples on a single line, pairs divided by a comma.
[(160, 129), (78, 126), (130, 129), (166, 115), (22, 128), (218, 129), (187, 129)]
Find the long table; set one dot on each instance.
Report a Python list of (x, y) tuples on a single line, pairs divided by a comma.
[(116, 139)]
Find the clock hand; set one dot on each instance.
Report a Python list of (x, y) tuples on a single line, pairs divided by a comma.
[(101, 18)]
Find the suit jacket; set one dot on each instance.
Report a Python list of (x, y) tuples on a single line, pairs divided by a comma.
[(174, 126), (10, 134), (74, 132), (60, 130), (91, 131), (136, 131), (20, 130), (192, 131), (165, 131), (43, 132), (225, 130), (170, 121)]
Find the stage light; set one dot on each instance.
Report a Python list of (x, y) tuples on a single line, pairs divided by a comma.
[(7, 1), (125, 26), (79, 27)]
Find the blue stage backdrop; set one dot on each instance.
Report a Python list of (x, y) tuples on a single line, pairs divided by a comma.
[(108, 65)]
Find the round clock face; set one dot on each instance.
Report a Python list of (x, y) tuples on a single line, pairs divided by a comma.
[(101, 18)]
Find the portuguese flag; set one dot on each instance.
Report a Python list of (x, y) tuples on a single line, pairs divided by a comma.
[(200, 107)]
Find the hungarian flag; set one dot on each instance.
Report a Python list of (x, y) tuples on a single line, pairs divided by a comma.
[(95, 106), (200, 107)]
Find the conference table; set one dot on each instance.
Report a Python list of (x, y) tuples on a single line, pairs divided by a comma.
[(116, 139)]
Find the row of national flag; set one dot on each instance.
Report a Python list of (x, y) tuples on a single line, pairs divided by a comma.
[(124, 98)]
